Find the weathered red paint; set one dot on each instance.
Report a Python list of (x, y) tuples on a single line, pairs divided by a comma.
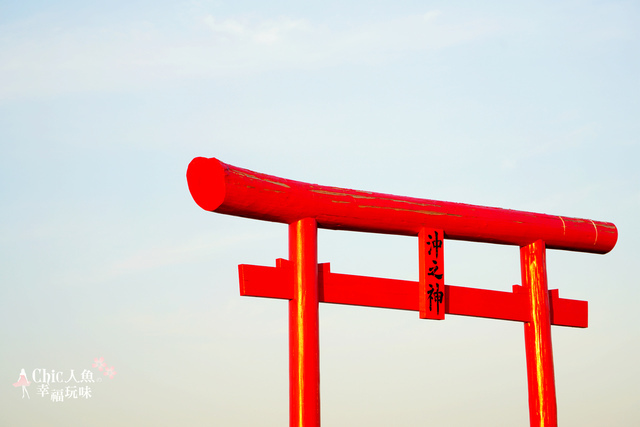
[(216, 186), (304, 349), (335, 288), (226, 189), (537, 331)]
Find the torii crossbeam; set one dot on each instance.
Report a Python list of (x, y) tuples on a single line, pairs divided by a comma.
[(216, 186)]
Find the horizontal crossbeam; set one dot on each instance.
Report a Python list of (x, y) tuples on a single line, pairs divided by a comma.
[(217, 186), (334, 288)]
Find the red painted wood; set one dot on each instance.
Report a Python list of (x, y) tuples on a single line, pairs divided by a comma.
[(432, 296), (276, 282), (568, 312), (367, 291), (304, 347), (486, 303), (216, 186), (537, 333)]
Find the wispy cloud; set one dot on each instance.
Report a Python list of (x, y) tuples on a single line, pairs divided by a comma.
[(263, 32), (42, 60)]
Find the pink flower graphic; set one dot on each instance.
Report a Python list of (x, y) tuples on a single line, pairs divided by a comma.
[(110, 372), (99, 363)]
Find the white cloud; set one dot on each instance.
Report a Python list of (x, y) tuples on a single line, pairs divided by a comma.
[(264, 32), (228, 26), (36, 61)]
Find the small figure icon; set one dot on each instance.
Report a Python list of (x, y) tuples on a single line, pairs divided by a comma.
[(22, 381)]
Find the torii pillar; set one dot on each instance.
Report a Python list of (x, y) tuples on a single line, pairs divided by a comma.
[(304, 347)]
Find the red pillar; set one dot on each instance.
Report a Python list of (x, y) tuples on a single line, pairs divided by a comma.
[(304, 351), (537, 334)]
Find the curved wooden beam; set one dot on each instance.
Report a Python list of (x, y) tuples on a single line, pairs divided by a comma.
[(216, 186)]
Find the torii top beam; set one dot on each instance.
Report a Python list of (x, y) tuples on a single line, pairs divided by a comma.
[(216, 186)]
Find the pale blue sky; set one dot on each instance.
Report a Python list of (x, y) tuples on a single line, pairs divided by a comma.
[(103, 253)]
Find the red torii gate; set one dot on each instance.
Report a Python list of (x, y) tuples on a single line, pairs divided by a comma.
[(226, 189)]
